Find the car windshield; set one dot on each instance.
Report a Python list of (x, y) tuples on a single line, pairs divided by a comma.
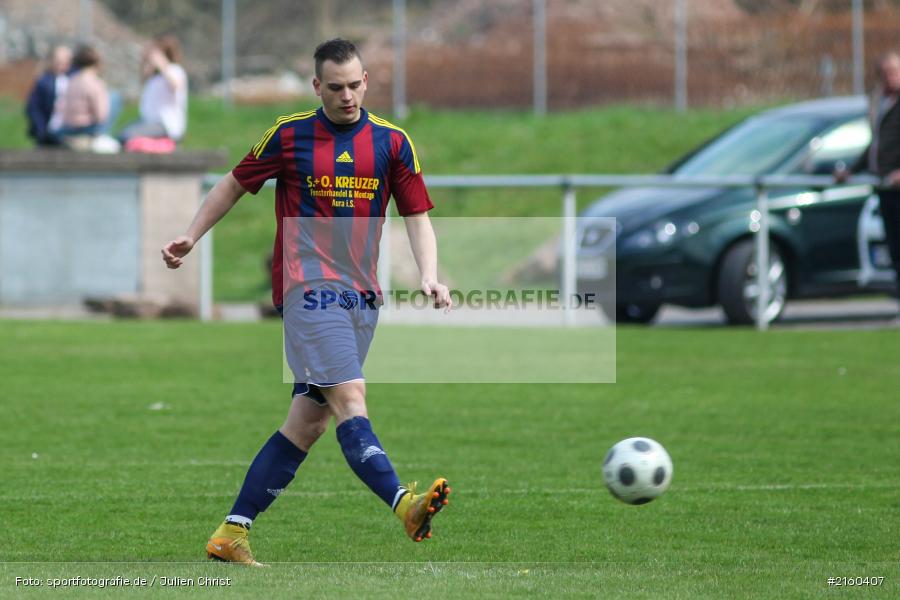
[(756, 146)]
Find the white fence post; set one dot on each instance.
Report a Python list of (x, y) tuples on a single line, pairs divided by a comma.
[(401, 110), (569, 250), (86, 20), (229, 18), (762, 257), (681, 59), (539, 57), (859, 48), (206, 276), (384, 256)]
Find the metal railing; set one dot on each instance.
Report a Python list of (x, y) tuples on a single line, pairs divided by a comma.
[(570, 183)]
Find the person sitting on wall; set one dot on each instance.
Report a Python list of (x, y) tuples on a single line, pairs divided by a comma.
[(164, 98), (89, 110), (44, 106)]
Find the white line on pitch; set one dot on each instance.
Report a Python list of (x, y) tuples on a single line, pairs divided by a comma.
[(477, 492)]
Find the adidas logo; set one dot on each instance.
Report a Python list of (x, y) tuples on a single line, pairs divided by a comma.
[(345, 157), (275, 493), (369, 453)]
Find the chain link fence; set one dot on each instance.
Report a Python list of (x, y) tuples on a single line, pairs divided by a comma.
[(468, 53)]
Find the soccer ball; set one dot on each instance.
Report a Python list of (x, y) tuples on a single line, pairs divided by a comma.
[(637, 470)]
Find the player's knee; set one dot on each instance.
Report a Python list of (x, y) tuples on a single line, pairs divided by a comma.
[(316, 429), (347, 400), (352, 406), (303, 437), (304, 433)]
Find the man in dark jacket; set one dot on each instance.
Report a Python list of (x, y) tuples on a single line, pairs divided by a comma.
[(45, 96), (882, 157)]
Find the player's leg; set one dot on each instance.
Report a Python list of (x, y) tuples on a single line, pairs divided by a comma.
[(360, 445), (280, 457), (306, 421), (367, 458), (277, 462), (269, 474)]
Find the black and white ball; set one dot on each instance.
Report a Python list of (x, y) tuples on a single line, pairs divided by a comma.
[(637, 470)]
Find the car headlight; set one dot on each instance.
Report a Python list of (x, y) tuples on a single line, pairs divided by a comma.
[(660, 234)]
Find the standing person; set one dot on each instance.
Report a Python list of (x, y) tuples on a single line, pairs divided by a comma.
[(87, 105), (44, 105), (164, 97), (333, 162), (883, 155)]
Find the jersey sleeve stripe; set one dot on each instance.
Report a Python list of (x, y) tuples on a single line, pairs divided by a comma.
[(267, 136), (258, 147), (379, 121)]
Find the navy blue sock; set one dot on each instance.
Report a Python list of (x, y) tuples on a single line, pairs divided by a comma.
[(366, 457), (270, 472)]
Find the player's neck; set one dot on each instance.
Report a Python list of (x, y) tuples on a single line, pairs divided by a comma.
[(339, 126)]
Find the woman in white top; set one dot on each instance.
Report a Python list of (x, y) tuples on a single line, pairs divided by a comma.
[(164, 98)]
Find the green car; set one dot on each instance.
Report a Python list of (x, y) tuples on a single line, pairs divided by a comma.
[(694, 247)]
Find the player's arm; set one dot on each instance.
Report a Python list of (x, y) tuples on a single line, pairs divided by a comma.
[(413, 205), (262, 163), (219, 201), (424, 248)]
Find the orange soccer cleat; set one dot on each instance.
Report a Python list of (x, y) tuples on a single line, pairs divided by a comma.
[(231, 543), (417, 510)]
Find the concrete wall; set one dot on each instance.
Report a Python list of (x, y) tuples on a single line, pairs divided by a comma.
[(64, 238), (169, 202), (77, 226)]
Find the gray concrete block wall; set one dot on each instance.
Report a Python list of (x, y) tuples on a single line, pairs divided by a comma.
[(64, 238), (169, 203), (85, 226)]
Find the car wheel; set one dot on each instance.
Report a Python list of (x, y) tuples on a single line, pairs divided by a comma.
[(738, 290), (641, 314)]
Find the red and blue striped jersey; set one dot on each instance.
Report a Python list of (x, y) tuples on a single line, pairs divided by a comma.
[(323, 174)]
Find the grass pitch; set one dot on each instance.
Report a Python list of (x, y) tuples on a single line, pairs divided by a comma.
[(125, 443)]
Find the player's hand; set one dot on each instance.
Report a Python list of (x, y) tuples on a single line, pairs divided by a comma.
[(175, 250), (440, 293)]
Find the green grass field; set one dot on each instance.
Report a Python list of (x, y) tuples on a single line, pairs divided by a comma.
[(784, 444)]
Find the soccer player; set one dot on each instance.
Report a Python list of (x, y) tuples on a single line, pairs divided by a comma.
[(337, 164)]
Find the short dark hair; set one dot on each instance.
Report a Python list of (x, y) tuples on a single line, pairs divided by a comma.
[(338, 51), (85, 56)]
